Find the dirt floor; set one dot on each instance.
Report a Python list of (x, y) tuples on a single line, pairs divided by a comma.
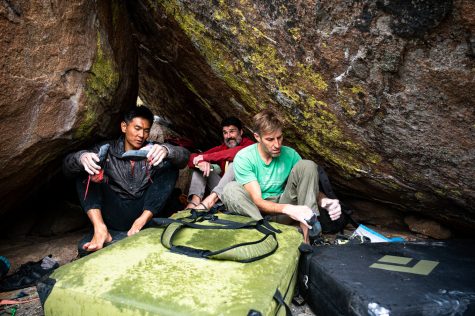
[(63, 249)]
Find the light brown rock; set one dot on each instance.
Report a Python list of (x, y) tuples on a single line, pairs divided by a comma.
[(66, 70), (427, 227)]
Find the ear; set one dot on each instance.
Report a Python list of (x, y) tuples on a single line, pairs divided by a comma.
[(257, 137), (123, 127), (241, 132)]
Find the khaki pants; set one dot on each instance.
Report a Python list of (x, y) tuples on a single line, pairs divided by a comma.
[(301, 189), (215, 183)]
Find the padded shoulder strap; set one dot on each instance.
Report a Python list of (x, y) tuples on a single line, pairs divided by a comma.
[(242, 252)]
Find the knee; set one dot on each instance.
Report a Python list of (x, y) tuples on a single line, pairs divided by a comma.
[(306, 165), (230, 191)]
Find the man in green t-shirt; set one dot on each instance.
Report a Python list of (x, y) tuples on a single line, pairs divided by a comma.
[(273, 179)]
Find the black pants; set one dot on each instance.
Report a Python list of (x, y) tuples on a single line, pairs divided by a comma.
[(119, 213)]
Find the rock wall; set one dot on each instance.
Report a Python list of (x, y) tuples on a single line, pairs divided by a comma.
[(379, 92), (67, 69)]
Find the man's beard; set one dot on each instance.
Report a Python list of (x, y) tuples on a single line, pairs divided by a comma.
[(233, 144)]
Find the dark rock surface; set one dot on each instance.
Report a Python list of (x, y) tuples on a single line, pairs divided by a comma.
[(379, 92)]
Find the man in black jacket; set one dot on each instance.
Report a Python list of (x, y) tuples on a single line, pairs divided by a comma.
[(124, 189)]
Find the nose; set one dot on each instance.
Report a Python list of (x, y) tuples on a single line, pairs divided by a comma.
[(141, 133)]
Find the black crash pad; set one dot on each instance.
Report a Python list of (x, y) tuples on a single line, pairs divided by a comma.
[(412, 278)]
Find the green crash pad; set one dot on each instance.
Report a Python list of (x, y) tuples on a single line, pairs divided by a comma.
[(139, 276)]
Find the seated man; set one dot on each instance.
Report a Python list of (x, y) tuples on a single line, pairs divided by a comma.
[(222, 155), (273, 179), (121, 194)]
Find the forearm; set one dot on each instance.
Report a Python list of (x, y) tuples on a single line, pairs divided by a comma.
[(269, 207), (320, 196), (146, 216), (178, 155)]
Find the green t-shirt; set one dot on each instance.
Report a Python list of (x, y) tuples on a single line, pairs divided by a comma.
[(249, 166)]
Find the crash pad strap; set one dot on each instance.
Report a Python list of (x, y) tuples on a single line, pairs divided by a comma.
[(241, 252), (281, 302)]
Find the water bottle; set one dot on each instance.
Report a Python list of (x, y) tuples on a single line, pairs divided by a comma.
[(4, 266)]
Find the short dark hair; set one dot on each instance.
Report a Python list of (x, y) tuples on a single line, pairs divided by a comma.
[(138, 111), (232, 121)]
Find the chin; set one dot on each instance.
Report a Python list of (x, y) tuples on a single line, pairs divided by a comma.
[(275, 154)]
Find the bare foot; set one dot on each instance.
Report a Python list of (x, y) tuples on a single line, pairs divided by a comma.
[(193, 202), (100, 237), (201, 206), (191, 205)]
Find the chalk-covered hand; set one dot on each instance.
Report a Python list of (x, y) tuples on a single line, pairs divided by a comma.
[(332, 206), (156, 154), (197, 159), (90, 163), (205, 167), (300, 213)]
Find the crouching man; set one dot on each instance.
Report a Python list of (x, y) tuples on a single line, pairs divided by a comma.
[(272, 179), (123, 183)]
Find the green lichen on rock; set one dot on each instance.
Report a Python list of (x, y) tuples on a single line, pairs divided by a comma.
[(100, 86), (260, 74), (104, 76), (87, 124), (116, 12)]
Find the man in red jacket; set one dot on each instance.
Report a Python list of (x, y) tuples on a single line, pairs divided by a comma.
[(215, 178)]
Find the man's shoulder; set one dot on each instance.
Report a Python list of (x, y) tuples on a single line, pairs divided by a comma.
[(247, 150), (288, 150)]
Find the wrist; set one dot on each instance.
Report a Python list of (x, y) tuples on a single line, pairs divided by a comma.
[(286, 209), (146, 215)]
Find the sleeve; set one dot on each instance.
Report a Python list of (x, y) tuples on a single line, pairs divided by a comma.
[(177, 155), (244, 170), (296, 158), (71, 163), (190, 160)]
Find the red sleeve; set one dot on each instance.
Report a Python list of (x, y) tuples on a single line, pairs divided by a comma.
[(190, 161), (227, 154)]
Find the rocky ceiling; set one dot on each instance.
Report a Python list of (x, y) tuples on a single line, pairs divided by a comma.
[(379, 92)]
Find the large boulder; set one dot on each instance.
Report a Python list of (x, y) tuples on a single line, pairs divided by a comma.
[(379, 92), (67, 69)]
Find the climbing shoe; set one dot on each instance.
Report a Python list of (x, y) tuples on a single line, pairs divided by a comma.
[(316, 230), (140, 154), (28, 274)]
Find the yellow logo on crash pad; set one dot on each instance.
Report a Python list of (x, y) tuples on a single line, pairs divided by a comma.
[(399, 264)]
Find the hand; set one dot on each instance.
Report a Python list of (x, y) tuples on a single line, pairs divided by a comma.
[(156, 154), (89, 161), (332, 206), (299, 213), (139, 223), (101, 236), (205, 167), (197, 159)]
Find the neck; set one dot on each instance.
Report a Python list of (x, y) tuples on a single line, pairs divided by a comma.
[(266, 157)]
